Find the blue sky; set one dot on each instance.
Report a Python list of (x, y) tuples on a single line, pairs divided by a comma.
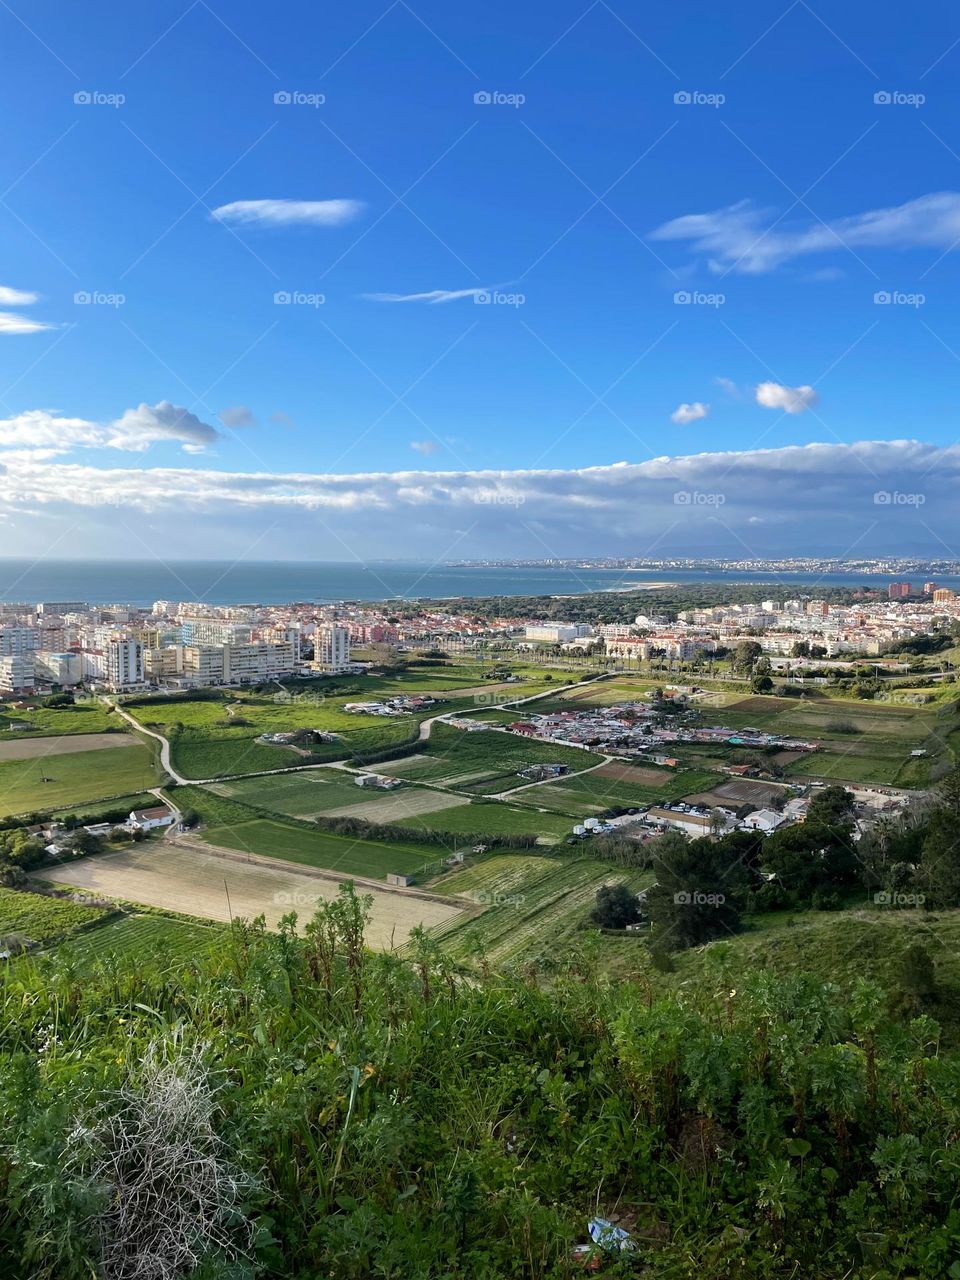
[(153, 169)]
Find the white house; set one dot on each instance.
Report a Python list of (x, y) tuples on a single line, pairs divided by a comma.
[(149, 819)]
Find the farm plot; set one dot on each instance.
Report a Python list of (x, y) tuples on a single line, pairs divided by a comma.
[(219, 889), (738, 791), (592, 793), (398, 808), (161, 941), (34, 748), (533, 906), (345, 855), (34, 917), (298, 795), (493, 819), (56, 722), (482, 761), (55, 781)]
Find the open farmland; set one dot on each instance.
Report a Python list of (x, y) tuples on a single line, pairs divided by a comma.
[(55, 722), (214, 888), (494, 818), (532, 905), (594, 793), (483, 761), (334, 793), (36, 918), (166, 940), (345, 855), (54, 781), (34, 748)]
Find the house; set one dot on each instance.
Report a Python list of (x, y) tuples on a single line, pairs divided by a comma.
[(149, 819), (765, 820), (399, 881), (376, 780), (740, 770)]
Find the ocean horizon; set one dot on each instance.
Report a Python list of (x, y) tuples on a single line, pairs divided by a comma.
[(139, 583)]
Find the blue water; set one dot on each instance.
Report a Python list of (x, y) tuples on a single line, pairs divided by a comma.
[(279, 582)]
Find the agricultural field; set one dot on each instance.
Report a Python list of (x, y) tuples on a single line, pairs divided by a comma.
[(37, 748), (298, 795), (494, 818), (533, 906), (216, 734), (214, 888), (165, 941), (485, 761), (54, 722), (36, 918), (58, 780), (595, 792), (232, 825)]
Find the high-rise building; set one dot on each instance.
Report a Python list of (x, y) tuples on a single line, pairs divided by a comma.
[(331, 647), (899, 590), (929, 588), (943, 595), (124, 663), (16, 673), (19, 640)]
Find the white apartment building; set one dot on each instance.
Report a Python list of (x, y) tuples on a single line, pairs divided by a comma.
[(216, 631), (557, 632), (124, 664), (62, 668), (237, 663), (163, 663), (331, 647), (19, 640), (16, 673)]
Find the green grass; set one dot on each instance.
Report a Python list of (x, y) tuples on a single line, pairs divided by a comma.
[(593, 794), (533, 905), (85, 717), (74, 778), (233, 825), (164, 940), (92, 812), (38, 918), (298, 795), (493, 819), (482, 761)]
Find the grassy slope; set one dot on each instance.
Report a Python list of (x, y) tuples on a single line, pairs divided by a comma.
[(85, 717), (75, 778), (40, 918), (165, 939)]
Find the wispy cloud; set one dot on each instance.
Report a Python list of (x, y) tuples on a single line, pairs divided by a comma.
[(434, 295), (289, 213), (426, 447), (40, 430), (11, 323), (773, 395), (749, 240), (687, 413), (16, 297), (237, 416)]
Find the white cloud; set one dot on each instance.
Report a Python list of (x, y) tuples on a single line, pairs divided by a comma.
[(289, 213), (744, 239), (729, 386), (12, 323), (434, 295), (237, 416), (426, 447), (686, 413), (772, 395), (40, 430), (16, 297)]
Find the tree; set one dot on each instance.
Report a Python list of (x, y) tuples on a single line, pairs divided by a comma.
[(939, 873), (746, 654), (700, 885), (761, 684), (617, 906)]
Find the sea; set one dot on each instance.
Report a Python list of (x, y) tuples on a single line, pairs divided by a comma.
[(139, 583)]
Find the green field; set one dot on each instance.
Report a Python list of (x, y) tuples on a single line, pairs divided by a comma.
[(83, 717), (298, 795), (163, 941), (592, 794), (57, 781), (492, 819), (37, 918), (534, 905), (207, 742), (233, 825), (487, 760)]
